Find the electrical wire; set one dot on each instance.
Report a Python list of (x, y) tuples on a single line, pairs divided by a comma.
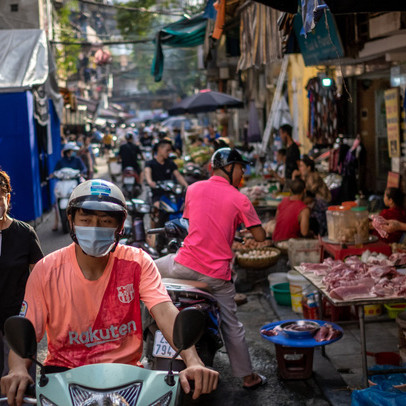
[(137, 9)]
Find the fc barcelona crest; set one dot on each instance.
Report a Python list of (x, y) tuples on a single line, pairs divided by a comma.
[(126, 293)]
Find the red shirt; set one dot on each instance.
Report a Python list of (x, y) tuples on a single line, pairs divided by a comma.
[(215, 209), (287, 221), (395, 213)]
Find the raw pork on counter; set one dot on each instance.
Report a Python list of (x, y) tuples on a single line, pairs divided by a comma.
[(354, 279)]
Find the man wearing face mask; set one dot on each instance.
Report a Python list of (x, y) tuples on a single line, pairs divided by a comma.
[(86, 296)]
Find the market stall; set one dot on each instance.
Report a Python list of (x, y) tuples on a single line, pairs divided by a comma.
[(357, 283)]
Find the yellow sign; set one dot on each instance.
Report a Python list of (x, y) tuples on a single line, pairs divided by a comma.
[(392, 121)]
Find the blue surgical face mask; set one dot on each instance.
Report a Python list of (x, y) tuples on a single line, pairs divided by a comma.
[(95, 241)]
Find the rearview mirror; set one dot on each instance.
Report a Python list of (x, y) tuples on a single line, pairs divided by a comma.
[(188, 328), (20, 335)]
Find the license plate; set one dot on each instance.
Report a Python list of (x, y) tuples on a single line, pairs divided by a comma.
[(162, 349), (129, 181)]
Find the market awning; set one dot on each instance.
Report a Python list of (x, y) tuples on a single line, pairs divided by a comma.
[(182, 34), (26, 62), (342, 6)]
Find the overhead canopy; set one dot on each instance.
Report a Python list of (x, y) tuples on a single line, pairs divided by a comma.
[(205, 101), (183, 33), (342, 6), (26, 62)]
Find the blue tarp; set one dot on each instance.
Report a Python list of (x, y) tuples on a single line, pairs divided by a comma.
[(383, 394), (19, 155)]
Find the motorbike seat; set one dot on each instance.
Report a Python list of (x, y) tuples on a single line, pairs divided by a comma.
[(196, 284)]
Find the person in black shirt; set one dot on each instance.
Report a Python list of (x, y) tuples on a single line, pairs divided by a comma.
[(162, 168), (19, 251), (292, 151), (130, 153)]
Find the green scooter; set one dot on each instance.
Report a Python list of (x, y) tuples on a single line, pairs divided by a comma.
[(106, 384)]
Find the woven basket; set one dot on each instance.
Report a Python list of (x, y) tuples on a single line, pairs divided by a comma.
[(257, 262), (284, 251)]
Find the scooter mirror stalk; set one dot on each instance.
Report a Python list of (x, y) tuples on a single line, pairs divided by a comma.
[(187, 330), (20, 335)]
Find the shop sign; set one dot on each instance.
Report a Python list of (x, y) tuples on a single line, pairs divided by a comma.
[(393, 180), (322, 44), (392, 121)]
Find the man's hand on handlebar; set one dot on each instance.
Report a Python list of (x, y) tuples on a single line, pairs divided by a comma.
[(205, 380), (15, 384)]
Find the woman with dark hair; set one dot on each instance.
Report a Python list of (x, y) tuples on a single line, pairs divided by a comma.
[(317, 194), (19, 251), (314, 182)]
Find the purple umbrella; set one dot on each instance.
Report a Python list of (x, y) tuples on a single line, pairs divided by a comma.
[(205, 101)]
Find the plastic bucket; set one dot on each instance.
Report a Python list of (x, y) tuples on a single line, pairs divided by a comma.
[(281, 293), (296, 285), (277, 277)]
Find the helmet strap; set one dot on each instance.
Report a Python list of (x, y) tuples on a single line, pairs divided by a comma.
[(229, 173)]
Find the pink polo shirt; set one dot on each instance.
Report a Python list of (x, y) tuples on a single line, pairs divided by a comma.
[(215, 209)]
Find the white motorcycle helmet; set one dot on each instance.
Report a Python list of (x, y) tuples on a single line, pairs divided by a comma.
[(98, 194)]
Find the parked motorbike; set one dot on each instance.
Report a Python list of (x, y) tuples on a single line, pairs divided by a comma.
[(68, 179), (131, 186), (171, 207), (106, 384), (134, 227), (184, 294)]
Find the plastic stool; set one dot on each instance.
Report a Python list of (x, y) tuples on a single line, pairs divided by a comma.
[(294, 363)]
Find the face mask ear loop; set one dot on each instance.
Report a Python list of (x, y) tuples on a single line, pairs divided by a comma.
[(117, 234)]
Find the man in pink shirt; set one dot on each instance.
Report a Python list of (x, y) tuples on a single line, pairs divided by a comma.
[(86, 297), (215, 208)]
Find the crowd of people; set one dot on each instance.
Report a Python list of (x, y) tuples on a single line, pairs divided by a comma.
[(96, 224), (52, 292)]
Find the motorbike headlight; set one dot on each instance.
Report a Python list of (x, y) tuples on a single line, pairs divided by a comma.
[(125, 396), (163, 401), (46, 402)]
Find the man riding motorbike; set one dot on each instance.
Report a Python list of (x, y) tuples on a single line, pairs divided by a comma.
[(68, 160), (86, 297), (161, 168), (214, 209), (129, 154)]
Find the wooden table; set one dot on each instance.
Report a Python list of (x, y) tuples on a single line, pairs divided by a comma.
[(316, 281)]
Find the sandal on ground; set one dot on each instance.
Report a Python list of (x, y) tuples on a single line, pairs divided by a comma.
[(262, 382)]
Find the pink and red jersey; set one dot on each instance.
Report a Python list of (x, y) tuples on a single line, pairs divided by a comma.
[(92, 321)]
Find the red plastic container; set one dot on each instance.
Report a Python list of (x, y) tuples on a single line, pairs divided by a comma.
[(335, 313), (311, 313), (386, 358)]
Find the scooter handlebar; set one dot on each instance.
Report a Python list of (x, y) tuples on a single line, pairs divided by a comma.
[(29, 395), (156, 230)]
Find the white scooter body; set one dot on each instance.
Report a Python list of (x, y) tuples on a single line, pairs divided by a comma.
[(105, 384), (108, 384)]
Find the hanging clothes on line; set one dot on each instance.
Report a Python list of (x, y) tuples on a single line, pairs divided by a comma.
[(322, 112)]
